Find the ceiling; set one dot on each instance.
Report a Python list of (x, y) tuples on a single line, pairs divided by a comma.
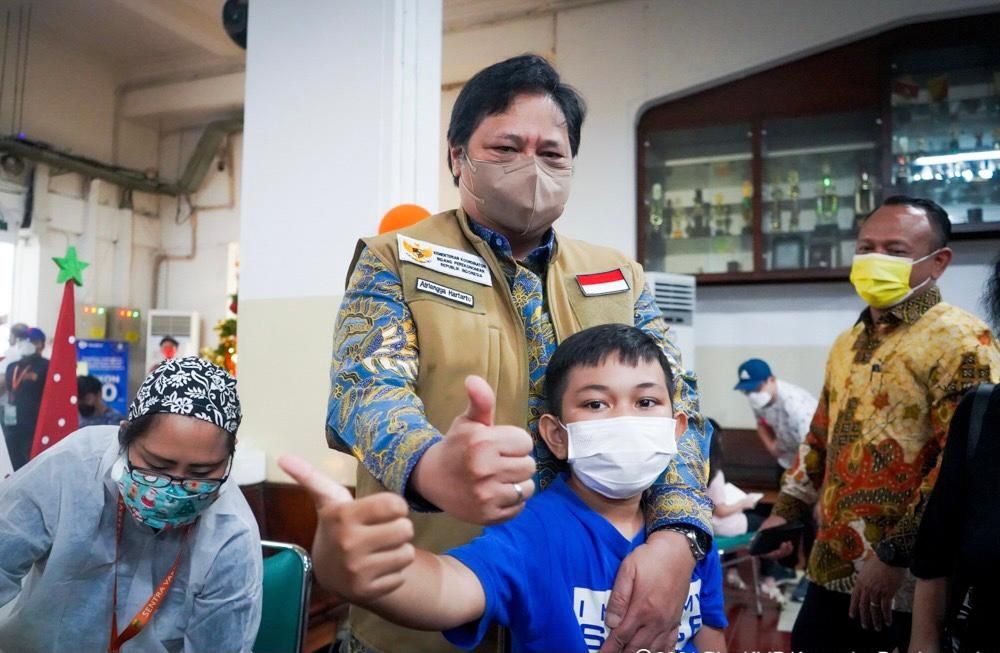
[(139, 38), (144, 39)]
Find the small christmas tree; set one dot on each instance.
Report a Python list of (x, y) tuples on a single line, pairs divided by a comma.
[(224, 353)]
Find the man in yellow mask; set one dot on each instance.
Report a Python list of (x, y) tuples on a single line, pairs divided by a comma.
[(892, 384)]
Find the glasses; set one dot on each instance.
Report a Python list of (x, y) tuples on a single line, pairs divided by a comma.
[(155, 479)]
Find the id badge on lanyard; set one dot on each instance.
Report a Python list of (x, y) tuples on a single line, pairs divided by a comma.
[(10, 415)]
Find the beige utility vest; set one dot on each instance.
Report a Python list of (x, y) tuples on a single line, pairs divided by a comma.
[(476, 329)]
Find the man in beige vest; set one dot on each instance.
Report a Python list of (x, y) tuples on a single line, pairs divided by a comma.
[(440, 352)]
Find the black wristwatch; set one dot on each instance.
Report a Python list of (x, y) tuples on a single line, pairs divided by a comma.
[(892, 555), (697, 540)]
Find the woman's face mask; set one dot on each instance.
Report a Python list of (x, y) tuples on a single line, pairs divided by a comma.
[(156, 505), (620, 457), (523, 196)]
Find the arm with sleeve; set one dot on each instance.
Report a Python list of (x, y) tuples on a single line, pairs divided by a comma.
[(29, 512), (947, 381), (374, 411), (937, 541), (679, 496)]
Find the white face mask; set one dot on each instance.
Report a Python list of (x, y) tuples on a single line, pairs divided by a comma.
[(759, 399), (25, 347), (620, 457)]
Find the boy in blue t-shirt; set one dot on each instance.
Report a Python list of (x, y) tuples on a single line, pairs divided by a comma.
[(547, 574)]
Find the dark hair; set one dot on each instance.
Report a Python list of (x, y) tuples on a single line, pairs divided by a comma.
[(88, 385), (716, 455), (492, 89), (167, 339), (992, 297), (936, 216), (591, 347), (134, 429)]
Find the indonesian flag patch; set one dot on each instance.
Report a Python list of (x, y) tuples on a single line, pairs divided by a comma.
[(602, 283)]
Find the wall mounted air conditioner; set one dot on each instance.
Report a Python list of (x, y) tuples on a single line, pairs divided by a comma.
[(182, 326), (675, 297)]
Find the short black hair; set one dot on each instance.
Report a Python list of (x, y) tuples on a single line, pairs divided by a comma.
[(88, 385), (492, 90), (936, 216), (992, 297), (134, 429), (167, 339), (591, 347), (716, 453)]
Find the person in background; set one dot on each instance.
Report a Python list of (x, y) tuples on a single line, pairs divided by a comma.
[(25, 381), (488, 290), (609, 413), (18, 347), (168, 350), (134, 536), (735, 513), (956, 559), (892, 384), (783, 410), (90, 401)]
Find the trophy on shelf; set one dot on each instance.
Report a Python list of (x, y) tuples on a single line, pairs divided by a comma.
[(676, 221), (776, 196), (793, 195), (656, 245), (720, 216), (699, 218), (746, 206), (656, 209), (864, 197), (826, 202)]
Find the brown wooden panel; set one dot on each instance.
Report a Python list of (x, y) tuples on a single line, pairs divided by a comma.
[(748, 464)]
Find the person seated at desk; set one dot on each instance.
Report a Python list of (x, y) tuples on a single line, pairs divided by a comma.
[(90, 402), (131, 536)]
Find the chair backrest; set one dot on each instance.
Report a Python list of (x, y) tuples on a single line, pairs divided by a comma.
[(285, 610)]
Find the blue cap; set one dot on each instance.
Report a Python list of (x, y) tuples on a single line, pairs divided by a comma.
[(752, 373), (36, 335)]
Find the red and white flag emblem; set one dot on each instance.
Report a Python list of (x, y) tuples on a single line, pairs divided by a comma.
[(602, 283)]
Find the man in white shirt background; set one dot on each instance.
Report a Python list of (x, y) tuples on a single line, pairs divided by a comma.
[(783, 410)]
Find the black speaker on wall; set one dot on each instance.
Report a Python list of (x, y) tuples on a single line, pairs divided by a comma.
[(234, 21)]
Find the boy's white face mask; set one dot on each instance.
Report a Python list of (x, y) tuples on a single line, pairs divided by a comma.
[(620, 457)]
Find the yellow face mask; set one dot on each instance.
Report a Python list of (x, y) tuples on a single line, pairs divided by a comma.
[(883, 281)]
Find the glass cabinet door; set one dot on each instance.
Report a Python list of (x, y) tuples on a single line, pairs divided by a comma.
[(946, 129), (698, 198), (818, 181)]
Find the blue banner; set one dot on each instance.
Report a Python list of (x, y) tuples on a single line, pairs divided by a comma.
[(108, 361)]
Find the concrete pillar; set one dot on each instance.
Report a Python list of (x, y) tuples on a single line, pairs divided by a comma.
[(341, 124)]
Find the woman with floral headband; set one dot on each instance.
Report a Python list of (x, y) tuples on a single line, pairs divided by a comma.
[(130, 538)]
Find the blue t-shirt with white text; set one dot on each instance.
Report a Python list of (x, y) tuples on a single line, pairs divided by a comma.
[(547, 576)]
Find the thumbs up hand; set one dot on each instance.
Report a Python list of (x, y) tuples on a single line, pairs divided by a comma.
[(362, 545), (480, 472)]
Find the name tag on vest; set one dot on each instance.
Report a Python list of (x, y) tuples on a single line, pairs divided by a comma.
[(453, 262), (602, 283), (445, 292)]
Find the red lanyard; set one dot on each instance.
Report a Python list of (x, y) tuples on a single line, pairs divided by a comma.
[(143, 616), (17, 379)]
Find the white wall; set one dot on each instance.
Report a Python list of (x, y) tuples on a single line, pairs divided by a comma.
[(625, 56), (199, 284)]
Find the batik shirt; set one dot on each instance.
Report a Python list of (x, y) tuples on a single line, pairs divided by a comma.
[(872, 453), (375, 413)]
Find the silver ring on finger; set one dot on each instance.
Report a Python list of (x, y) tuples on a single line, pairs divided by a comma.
[(520, 492)]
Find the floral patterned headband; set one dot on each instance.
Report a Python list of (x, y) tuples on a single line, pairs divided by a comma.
[(193, 387)]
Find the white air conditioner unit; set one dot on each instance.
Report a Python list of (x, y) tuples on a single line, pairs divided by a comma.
[(675, 297), (182, 326)]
